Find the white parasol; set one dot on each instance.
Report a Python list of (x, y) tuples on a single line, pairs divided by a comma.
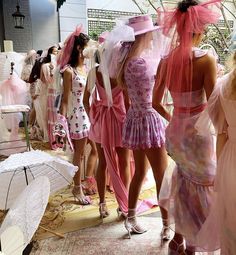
[(12, 241), (17, 171), (28, 209)]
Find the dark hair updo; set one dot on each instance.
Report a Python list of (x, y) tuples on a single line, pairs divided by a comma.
[(185, 4), (81, 41)]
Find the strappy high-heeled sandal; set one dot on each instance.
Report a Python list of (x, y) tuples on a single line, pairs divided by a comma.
[(79, 196), (132, 226), (103, 211), (165, 233), (90, 186), (176, 251), (120, 213)]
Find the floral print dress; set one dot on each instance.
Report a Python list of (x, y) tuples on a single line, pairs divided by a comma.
[(144, 127), (77, 117)]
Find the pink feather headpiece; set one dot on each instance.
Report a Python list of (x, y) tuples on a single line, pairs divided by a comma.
[(65, 53)]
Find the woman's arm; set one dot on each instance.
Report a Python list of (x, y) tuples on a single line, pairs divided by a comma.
[(158, 92), (209, 84), (67, 85), (86, 99), (209, 75), (126, 99)]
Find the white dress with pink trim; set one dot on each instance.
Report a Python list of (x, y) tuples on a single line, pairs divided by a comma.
[(77, 117)]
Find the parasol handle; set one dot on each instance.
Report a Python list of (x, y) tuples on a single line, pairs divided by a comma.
[(52, 232)]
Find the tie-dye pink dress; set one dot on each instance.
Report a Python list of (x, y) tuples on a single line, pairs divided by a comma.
[(187, 193)]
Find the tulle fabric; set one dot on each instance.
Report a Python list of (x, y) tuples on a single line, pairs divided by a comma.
[(13, 91), (65, 53), (220, 226), (187, 191), (111, 56), (180, 26)]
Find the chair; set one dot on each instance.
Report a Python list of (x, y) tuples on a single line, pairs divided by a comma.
[(24, 109)]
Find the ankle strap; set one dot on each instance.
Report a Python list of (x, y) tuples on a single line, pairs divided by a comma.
[(131, 217), (78, 186)]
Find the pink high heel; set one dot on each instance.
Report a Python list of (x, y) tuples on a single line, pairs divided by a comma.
[(90, 186)]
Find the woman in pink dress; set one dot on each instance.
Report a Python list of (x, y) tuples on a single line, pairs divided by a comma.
[(48, 78), (189, 75), (220, 226), (106, 130), (144, 129), (225, 123)]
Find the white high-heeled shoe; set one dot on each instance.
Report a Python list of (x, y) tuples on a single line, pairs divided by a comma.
[(120, 213), (132, 226), (103, 211), (165, 233)]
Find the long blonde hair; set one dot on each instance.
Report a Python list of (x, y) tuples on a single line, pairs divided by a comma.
[(137, 47)]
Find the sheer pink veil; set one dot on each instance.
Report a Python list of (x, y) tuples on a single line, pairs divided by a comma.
[(65, 53), (180, 26)]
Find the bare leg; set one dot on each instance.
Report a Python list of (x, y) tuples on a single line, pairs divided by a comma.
[(124, 165), (92, 160), (90, 185), (135, 186), (101, 173), (158, 160), (137, 180), (79, 146)]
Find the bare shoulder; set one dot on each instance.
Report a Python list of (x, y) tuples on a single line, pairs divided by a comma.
[(68, 71), (208, 60)]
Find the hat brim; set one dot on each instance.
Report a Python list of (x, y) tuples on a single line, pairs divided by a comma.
[(144, 31)]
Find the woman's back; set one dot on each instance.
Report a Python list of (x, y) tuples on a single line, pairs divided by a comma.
[(201, 73)]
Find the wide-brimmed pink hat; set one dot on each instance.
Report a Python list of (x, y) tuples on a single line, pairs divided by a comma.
[(141, 24)]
